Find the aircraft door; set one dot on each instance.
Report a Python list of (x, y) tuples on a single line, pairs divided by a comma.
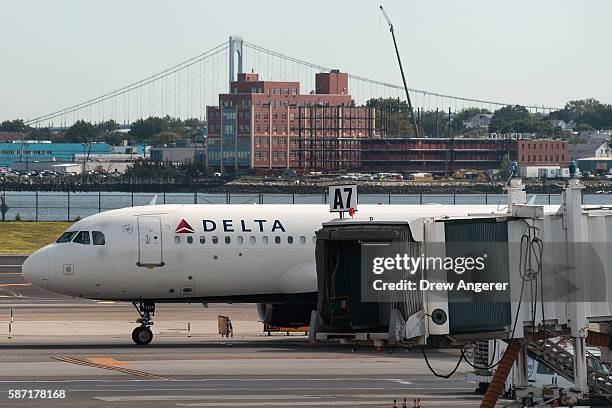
[(149, 241)]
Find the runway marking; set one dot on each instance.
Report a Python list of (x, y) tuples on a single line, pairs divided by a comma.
[(107, 361), (352, 403), (399, 381), (105, 302), (124, 370), (14, 284)]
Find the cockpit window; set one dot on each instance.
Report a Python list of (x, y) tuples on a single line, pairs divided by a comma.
[(66, 237), (98, 238), (82, 238)]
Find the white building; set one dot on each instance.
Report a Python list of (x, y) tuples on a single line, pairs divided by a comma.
[(481, 120), (563, 125)]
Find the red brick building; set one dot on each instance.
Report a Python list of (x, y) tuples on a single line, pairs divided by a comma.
[(264, 124), (542, 153)]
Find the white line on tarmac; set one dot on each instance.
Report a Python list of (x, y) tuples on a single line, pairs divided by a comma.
[(236, 397), (352, 403)]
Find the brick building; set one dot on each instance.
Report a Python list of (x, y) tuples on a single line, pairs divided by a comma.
[(271, 125), (435, 155), (541, 152)]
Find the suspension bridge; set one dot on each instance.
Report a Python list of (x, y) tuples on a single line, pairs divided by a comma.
[(185, 89)]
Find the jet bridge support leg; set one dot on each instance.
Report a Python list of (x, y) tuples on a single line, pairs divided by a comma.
[(580, 366), (522, 377)]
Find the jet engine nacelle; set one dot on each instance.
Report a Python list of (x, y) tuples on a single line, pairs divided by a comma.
[(285, 314)]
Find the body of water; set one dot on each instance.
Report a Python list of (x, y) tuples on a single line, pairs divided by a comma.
[(57, 206)]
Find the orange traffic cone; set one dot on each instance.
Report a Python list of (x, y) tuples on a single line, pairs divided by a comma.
[(394, 403)]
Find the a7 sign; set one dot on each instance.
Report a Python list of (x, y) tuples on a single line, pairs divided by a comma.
[(342, 198)]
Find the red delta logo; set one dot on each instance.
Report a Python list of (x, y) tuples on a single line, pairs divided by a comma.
[(184, 228)]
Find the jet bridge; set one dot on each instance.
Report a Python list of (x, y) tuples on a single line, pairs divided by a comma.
[(556, 262)]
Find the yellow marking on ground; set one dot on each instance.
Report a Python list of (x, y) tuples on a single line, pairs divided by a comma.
[(15, 284), (107, 361), (103, 302), (129, 371)]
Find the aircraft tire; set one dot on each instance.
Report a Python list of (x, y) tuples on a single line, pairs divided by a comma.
[(142, 335)]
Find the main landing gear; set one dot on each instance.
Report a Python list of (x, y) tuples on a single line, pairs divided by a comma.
[(142, 335)]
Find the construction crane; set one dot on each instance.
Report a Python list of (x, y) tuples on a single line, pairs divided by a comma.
[(399, 60)]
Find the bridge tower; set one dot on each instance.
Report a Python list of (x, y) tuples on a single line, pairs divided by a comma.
[(235, 47)]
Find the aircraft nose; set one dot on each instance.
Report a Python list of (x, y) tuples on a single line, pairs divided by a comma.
[(35, 269)]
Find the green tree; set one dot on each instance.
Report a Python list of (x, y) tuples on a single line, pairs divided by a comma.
[(15, 125), (392, 116), (431, 128), (506, 115), (588, 112), (144, 129), (81, 132), (505, 168), (106, 127)]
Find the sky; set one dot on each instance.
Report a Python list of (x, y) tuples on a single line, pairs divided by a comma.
[(58, 53)]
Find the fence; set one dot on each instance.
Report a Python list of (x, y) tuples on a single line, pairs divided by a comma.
[(56, 206)]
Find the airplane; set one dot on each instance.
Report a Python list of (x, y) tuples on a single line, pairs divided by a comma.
[(262, 254)]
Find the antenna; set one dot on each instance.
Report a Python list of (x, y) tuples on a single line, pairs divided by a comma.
[(399, 60)]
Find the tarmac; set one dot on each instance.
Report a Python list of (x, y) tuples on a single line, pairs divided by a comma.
[(82, 350)]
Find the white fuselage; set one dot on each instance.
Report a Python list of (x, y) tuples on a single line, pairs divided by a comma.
[(201, 252)]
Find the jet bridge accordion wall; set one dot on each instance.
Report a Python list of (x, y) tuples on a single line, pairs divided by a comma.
[(484, 311)]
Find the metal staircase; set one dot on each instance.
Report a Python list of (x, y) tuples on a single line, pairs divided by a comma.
[(553, 353)]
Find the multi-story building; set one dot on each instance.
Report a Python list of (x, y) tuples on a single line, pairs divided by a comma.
[(435, 155), (271, 125), (543, 152)]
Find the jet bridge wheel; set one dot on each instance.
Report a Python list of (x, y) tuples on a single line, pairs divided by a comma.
[(142, 335)]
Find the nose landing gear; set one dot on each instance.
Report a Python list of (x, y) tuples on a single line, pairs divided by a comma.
[(142, 335)]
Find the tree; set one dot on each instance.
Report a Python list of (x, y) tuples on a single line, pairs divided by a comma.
[(588, 112), (112, 138), (144, 129), (507, 115), (15, 125), (392, 116), (505, 168), (429, 125), (107, 127), (81, 132)]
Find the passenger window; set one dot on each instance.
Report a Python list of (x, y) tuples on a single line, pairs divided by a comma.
[(290, 239), (202, 240), (302, 239), (264, 239), (228, 240), (98, 238), (190, 239), (177, 239), (277, 239), (252, 240), (215, 239), (82, 238), (66, 237), (240, 239)]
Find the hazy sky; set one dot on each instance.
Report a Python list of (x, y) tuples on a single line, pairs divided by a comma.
[(57, 53)]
